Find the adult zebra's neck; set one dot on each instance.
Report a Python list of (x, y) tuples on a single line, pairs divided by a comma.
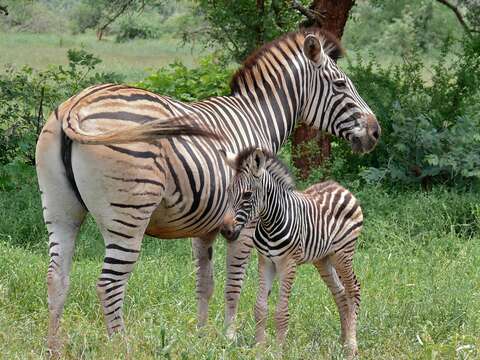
[(272, 81)]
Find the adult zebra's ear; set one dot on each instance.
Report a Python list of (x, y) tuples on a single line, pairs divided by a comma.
[(258, 162), (229, 158), (313, 49)]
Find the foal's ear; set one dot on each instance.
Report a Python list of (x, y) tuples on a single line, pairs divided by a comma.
[(313, 49), (258, 162), (229, 158)]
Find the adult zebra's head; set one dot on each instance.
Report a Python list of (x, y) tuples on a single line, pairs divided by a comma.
[(332, 102)]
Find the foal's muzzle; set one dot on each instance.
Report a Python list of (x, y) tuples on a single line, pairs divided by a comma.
[(230, 232)]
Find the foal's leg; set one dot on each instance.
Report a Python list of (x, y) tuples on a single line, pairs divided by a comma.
[(266, 274), (330, 276), (203, 253), (343, 265), (238, 254), (286, 273)]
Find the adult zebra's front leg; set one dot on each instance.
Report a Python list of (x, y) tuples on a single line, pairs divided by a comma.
[(203, 253), (238, 254)]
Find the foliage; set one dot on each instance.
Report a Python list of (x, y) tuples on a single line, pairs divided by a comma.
[(430, 128), (84, 17), (241, 26), (31, 16), (27, 94), (100, 14), (210, 78), (395, 27), (136, 27)]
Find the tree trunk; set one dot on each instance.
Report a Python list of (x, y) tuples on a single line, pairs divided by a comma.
[(305, 139)]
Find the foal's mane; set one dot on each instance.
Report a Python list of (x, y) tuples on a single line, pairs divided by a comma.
[(292, 42), (273, 165)]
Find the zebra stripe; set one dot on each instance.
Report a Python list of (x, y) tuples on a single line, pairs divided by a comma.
[(319, 226)]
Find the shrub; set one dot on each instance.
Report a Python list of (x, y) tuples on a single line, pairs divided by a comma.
[(32, 16), (27, 94), (430, 127), (210, 78), (136, 27), (84, 17)]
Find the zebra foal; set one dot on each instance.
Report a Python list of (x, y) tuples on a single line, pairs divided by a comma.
[(319, 225)]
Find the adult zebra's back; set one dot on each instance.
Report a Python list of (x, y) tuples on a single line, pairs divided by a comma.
[(142, 180)]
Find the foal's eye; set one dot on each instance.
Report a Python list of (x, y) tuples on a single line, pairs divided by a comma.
[(247, 195), (340, 83)]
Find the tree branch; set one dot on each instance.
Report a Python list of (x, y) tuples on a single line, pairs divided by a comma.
[(3, 9), (459, 16), (110, 20), (312, 15)]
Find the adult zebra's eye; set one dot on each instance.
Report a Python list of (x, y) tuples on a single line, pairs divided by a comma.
[(247, 195), (340, 83)]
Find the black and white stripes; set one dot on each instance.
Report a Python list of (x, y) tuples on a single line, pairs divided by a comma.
[(319, 226)]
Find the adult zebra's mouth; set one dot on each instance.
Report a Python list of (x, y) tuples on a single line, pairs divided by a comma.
[(368, 139)]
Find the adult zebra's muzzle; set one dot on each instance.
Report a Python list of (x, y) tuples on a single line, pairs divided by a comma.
[(366, 139)]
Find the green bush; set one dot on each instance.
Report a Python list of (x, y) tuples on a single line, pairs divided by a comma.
[(32, 16), (84, 17), (26, 95), (210, 78), (430, 125), (136, 27)]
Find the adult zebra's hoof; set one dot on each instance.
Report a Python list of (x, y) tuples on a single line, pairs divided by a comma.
[(231, 333)]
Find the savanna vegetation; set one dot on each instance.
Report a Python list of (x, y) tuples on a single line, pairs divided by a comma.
[(416, 63)]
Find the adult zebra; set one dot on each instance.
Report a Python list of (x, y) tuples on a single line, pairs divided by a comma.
[(141, 182)]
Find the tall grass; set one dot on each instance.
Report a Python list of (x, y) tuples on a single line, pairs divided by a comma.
[(417, 260)]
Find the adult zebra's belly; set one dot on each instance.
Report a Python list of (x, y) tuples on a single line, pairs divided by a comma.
[(181, 220), (195, 197)]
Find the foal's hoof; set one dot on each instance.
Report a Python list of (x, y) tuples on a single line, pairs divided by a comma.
[(351, 352), (54, 348)]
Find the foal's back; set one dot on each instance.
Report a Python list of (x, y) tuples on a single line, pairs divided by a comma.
[(340, 215)]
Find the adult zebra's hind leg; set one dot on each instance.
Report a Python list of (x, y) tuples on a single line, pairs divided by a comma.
[(62, 233), (203, 253), (123, 239), (238, 254), (63, 215)]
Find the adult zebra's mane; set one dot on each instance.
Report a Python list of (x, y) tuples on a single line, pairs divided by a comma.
[(330, 43), (273, 165)]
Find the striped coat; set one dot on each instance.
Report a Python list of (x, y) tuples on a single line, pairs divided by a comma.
[(134, 160), (319, 225)]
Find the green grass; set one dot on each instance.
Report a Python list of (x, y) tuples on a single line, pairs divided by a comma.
[(418, 261), (132, 59)]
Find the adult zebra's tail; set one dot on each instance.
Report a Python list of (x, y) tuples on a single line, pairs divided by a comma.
[(185, 125)]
